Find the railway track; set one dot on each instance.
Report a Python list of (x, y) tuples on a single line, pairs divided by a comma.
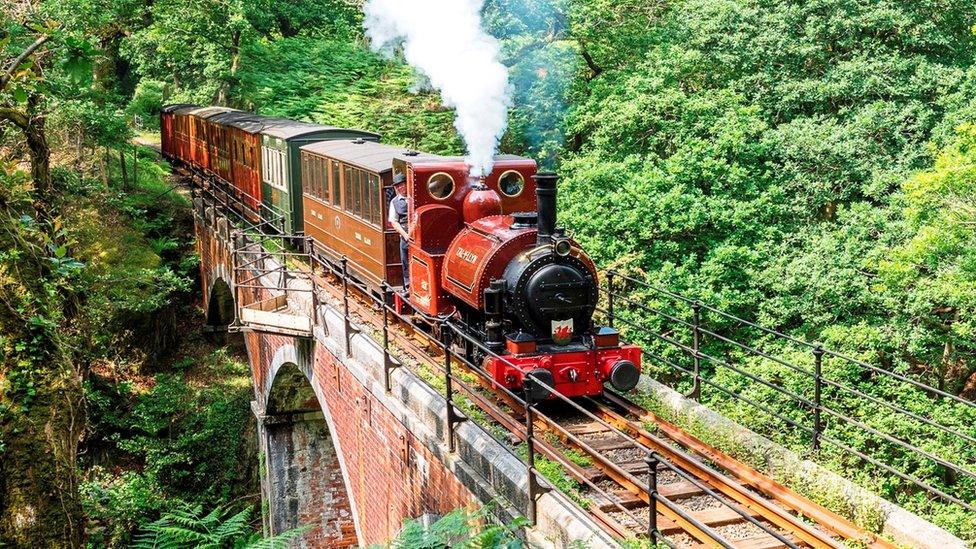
[(704, 497), (621, 456)]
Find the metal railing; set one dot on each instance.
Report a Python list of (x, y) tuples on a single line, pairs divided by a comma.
[(825, 398), (261, 257), (451, 333)]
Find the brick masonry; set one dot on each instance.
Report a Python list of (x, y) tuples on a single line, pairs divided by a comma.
[(387, 475)]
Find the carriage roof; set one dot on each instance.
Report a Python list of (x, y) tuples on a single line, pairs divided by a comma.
[(173, 107), (369, 155)]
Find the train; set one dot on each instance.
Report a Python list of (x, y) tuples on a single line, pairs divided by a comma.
[(485, 251)]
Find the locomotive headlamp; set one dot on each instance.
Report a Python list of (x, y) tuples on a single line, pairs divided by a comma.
[(561, 246)]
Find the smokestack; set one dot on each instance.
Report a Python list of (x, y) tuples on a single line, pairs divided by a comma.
[(545, 194)]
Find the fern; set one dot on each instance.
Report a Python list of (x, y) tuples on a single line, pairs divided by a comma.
[(218, 529), (459, 529)]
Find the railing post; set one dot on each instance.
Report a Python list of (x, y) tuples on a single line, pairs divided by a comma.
[(530, 448), (818, 353), (695, 346), (315, 305), (652, 462), (450, 418), (387, 363), (345, 303), (610, 314)]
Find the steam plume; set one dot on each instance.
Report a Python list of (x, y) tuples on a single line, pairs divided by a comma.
[(444, 40)]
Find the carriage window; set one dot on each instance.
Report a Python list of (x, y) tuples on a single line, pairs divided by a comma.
[(376, 213), (326, 183), (367, 203), (511, 183), (440, 185), (275, 168), (357, 192), (348, 189), (320, 167), (282, 169), (323, 168), (310, 178), (270, 168), (363, 196), (336, 181), (319, 179)]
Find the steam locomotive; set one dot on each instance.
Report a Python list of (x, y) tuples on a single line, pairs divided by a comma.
[(484, 250)]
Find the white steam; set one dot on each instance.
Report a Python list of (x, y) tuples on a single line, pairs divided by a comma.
[(444, 40)]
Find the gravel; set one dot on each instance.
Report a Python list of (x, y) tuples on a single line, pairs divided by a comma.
[(739, 531), (699, 503)]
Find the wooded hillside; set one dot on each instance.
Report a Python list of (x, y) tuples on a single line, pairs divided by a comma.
[(809, 166)]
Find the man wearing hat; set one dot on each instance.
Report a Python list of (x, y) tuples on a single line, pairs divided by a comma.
[(398, 219)]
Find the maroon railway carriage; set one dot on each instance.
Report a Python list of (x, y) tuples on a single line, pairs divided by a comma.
[(220, 141), (236, 141), (167, 133), (179, 138), (200, 131)]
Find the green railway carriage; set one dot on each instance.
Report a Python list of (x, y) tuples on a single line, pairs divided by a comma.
[(281, 173)]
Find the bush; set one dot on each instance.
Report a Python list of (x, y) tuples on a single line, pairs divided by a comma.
[(146, 103)]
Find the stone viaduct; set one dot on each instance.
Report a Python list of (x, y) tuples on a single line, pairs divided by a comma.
[(343, 455)]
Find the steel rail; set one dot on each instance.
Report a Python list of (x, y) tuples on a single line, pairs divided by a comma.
[(689, 524), (821, 515), (554, 425)]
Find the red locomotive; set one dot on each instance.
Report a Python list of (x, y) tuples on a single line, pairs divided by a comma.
[(484, 251)]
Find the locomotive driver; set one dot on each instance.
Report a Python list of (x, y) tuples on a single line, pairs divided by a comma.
[(398, 219)]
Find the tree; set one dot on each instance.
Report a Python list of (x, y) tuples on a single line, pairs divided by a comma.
[(21, 90), (931, 271)]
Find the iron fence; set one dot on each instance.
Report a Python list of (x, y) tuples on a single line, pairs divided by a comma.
[(807, 395)]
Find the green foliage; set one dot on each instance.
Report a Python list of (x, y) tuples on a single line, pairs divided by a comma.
[(930, 273), (147, 100), (344, 84), (220, 528), (187, 440), (459, 528)]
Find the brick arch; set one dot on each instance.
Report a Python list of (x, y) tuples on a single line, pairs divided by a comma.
[(221, 307), (305, 474)]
